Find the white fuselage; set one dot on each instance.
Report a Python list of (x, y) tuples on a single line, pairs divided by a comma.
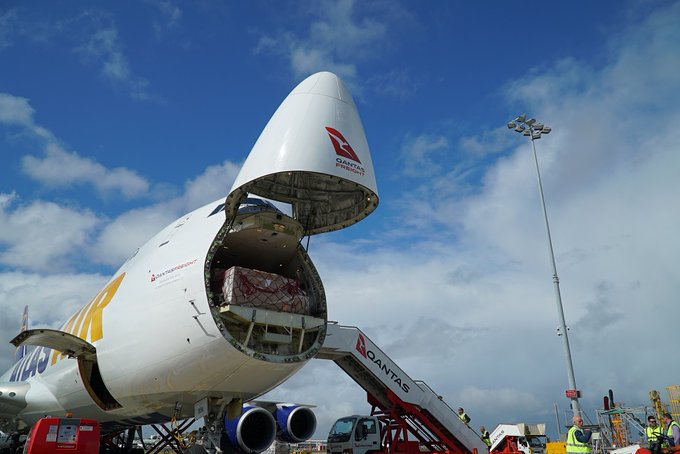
[(156, 339)]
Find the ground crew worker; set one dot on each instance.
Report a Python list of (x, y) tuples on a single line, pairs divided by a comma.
[(654, 435), (672, 430), (578, 438), (486, 438), (463, 416)]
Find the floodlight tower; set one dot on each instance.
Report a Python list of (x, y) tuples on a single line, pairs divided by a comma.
[(534, 130)]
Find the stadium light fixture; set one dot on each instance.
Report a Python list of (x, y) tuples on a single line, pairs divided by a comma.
[(534, 130)]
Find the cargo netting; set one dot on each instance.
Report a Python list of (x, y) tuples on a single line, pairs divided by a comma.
[(254, 288)]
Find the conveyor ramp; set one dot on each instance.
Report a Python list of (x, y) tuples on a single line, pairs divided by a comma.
[(410, 402)]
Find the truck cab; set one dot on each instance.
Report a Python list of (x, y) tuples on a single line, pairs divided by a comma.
[(354, 434), (518, 438)]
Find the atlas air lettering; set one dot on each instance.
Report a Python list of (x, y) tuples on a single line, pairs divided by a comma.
[(32, 364), (87, 323), (381, 363)]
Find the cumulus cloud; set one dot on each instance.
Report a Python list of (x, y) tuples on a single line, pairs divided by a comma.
[(58, 167), (94, 36), (419, 155), (124, 234), (170, 16), (7, 20), (51, 300), (121, 237), (15, 110), (214, 183), (62, 168), (34, 236), (103, 48), (337, 39)]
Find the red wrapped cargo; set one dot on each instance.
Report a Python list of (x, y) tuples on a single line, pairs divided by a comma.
[(254, 288)]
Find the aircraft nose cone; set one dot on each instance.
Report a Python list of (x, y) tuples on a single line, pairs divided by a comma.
[(325, 84), (313, 155)]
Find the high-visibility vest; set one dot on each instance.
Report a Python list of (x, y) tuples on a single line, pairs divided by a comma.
[(575, 446), (654, 433), (485, 438), (670, 428)]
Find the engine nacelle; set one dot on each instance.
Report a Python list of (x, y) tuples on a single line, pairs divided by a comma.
[(295, 423), (252, 432)]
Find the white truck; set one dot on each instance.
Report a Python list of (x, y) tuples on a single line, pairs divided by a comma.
[(357, 434), (518, 438)]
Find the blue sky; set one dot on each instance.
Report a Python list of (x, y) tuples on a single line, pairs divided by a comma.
[(117, 118)]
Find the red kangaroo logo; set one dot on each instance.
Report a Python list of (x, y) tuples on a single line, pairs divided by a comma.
[(342, 147), (361, 345)]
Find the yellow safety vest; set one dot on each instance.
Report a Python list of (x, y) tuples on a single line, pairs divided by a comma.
[(575, 446), (485, 438), (670, 429), (654, 433)]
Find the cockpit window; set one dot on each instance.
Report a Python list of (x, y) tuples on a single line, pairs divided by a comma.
[(255, 205)]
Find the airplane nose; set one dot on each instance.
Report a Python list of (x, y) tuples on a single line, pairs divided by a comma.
[(325, 84), (312, 154)]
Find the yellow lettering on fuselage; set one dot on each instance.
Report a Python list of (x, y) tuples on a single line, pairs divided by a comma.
[(87, 322)]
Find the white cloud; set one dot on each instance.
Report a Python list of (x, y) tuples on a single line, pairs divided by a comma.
[(15, 110), (171, 16), (121, 237), (103, 47), (58, 167), (399, 83), (35, 236), (51, 300), (213, 183), (61, 168), (502, 399), (338, 38), (7, 20), (419, 155)]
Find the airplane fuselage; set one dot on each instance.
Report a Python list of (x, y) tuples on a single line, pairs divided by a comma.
[(189, 351)]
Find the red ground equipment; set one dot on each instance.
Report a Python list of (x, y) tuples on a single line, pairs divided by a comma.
[(63, 435)]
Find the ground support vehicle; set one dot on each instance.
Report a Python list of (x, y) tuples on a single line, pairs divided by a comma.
[(518, 438)]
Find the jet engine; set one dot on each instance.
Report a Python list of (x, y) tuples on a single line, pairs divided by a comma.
[(252, 432), (295, 423)]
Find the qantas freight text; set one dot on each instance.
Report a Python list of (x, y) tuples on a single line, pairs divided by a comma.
[(348, 165)]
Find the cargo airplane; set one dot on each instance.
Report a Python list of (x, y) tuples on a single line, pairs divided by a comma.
[(222, 305)]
